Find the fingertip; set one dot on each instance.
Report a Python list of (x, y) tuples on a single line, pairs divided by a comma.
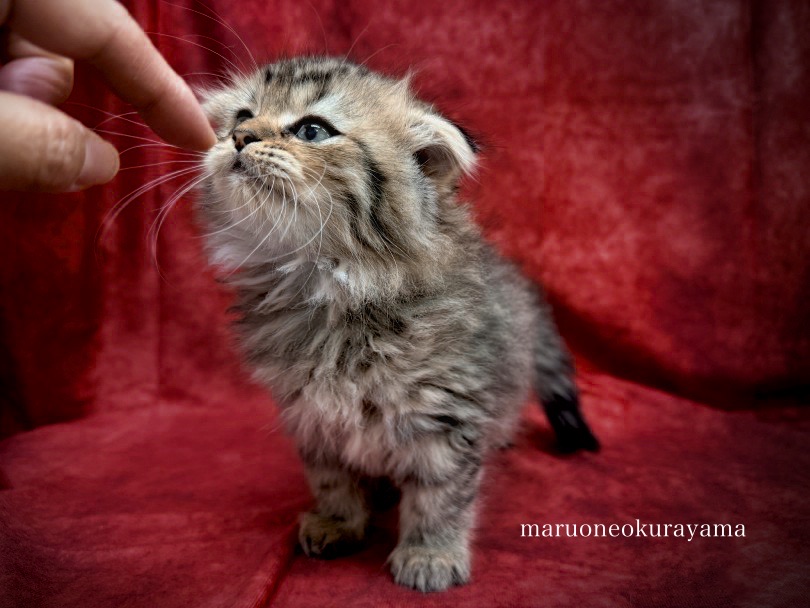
[(209, 140), (200, 135), (101, 163), (205, 138), (178, 118)]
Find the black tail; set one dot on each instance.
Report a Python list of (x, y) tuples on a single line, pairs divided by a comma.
[(554, 382), (569, 426)]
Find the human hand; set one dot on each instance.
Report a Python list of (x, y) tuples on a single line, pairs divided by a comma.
[(42, 148)]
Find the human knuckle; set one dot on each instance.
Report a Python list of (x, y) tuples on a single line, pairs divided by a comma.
[(60, 154)]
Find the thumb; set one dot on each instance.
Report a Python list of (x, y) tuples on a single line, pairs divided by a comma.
[(44, 150)]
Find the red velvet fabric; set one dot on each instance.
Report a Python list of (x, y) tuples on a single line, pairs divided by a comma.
[(649, 162)]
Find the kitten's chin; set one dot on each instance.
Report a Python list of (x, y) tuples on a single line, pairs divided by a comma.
[(242, 186)]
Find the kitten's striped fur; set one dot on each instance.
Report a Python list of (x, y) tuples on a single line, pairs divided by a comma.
[(397, 342)]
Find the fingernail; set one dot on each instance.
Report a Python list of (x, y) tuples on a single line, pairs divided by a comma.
[(100, 163)]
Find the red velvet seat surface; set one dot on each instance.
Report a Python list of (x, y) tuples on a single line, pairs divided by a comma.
[(180, 505), (650, 164)]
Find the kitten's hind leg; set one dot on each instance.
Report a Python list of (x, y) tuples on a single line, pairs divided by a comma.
[(338, 525), (380, 492)]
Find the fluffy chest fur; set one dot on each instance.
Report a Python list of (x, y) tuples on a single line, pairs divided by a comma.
[(372, 385)]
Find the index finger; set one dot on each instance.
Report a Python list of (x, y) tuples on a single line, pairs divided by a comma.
[(103, 33)]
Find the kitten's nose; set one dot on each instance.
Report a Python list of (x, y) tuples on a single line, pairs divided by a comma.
[(243, 137)]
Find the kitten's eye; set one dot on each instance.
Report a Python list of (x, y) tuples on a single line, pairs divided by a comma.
[(243, 115), (312, 132)]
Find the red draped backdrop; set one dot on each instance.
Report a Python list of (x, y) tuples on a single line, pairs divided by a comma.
[(649, 163)]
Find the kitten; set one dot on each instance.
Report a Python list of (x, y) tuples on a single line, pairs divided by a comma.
[(398, 344)]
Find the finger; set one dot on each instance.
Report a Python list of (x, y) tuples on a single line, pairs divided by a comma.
[(17, 47), (35, 72), (42, 78), (43, 149), (103, 33)]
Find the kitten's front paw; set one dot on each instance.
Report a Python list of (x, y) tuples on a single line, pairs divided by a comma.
[(430, 569), (328, 537)]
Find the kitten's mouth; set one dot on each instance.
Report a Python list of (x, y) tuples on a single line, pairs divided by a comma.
[(251, 171), (271, 178), (245, 169)]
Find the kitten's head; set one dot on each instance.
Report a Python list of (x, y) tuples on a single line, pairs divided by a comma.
[(321, 159)]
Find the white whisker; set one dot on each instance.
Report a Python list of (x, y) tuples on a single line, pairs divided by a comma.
[(247, 217), (138, 137), (154, 229), (219, 20), (199, 155), (262, 242), (197, 44), (160, 164), (119, 206)]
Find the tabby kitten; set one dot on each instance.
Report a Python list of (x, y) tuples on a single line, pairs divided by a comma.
[(398, 344)]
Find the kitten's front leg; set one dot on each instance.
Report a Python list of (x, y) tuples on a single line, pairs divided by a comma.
[(436, 519), (338, 524)]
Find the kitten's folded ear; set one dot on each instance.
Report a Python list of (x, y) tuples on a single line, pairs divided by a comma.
[(444, 151)]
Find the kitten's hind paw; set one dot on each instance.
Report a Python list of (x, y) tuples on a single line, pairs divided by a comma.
[(328, 537), (569, 425), (429, 569)]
